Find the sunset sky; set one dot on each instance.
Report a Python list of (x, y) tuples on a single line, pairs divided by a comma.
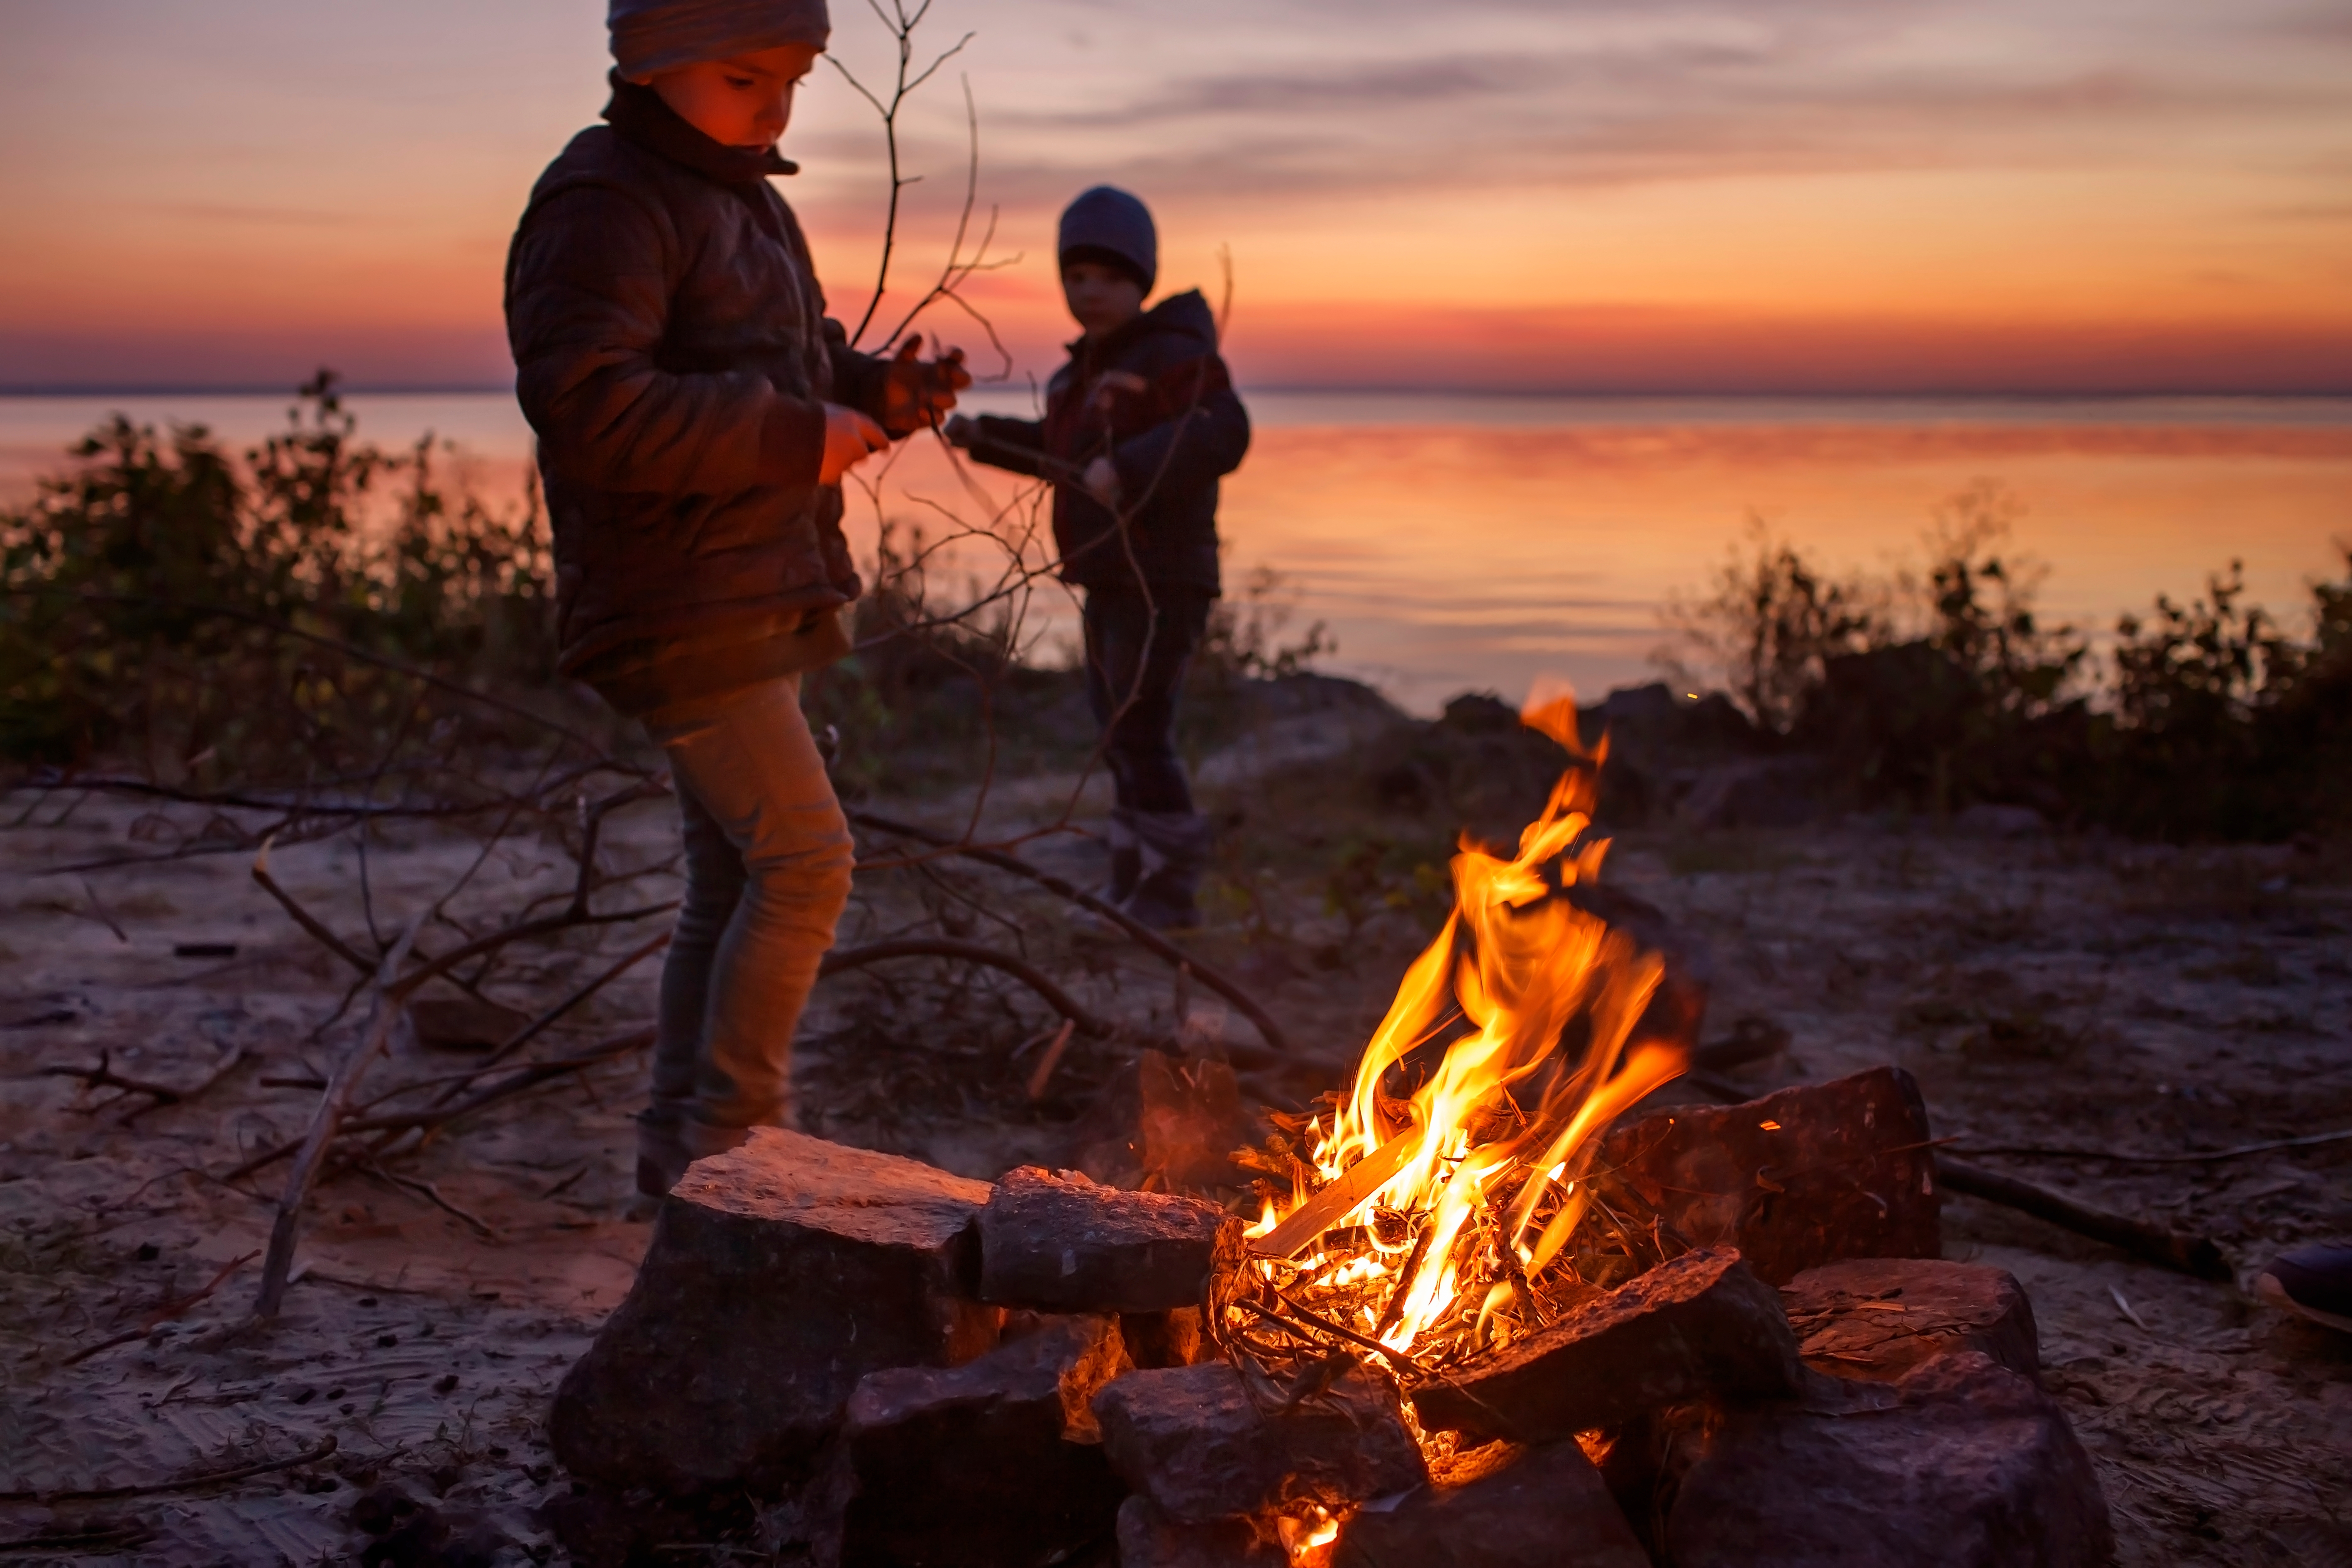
[(1601, 195)]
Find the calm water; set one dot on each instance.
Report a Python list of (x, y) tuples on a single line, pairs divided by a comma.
[(1452, 543)]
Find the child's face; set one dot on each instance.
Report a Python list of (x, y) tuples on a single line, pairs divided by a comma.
[(1101, 298), (745, 102)]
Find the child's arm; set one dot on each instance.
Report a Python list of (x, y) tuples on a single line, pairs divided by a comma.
[(587, 299), (1016, 445), (1207, 440)]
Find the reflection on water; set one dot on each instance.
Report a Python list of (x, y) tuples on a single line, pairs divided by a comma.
[(1457, 543)]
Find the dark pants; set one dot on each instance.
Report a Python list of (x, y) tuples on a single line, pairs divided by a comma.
[(1135, 671)]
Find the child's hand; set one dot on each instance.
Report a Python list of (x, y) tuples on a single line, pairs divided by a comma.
[(916, 394), (1102, 481), (960, 431), (849, 437)]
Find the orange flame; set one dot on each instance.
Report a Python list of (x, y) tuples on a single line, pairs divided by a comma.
[(1537, 999)]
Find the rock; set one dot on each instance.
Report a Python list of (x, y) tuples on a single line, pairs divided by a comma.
[(995, 1461), (1191, 1439), (1960, 1464), (1802, 1178), (1503, 1507), (1165, 1338), (1062, 1243), (779, 1274), (1697, 1326), (1877, 1318), (1149, 1538)]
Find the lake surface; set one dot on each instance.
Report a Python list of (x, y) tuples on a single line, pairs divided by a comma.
[(1457, 543)]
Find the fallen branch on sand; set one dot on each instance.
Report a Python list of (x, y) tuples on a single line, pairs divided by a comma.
[(2200, 1157), (179, 1307), (2195, 1255), (1151, 941), (312, 1456)]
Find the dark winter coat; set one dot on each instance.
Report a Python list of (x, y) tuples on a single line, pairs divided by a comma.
[(1155, 397), (672, 353)]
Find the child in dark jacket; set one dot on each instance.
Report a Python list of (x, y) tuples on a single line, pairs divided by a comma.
[(1140, 426), (696, 412)]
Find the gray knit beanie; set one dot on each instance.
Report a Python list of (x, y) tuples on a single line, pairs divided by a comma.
[(654, 35), (1108, 225)]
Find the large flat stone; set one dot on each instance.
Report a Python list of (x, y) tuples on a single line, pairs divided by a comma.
[(1959, 1464), (1149, 1538), (1191, 1439), (1802, 1178), (1064, 1243), (778, 1276), (1879, 1317), (1503, 1507), (1698, 1326), (997, 1461)]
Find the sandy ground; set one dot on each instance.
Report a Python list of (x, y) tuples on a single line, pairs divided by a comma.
[(2045, 992)]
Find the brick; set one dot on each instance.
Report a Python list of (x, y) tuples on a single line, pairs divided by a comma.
[(1500, 1507), (779, 1274), (1961, 1463), (1698, 1326), (995, 1461), (1802, 1178), (1877, 1318), (1063, 1243), (1192, 1440)]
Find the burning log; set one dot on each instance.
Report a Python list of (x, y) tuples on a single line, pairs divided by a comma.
[(1802, 1178), (1194, 1441), (779, 1274), (1959, 1464), (995, 1461), (1877, 1318), (1061, 1243), (1701, 1326), (1500, 1507)]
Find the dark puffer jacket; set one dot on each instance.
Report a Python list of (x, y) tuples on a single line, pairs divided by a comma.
[(1157, 400), (672, 353)]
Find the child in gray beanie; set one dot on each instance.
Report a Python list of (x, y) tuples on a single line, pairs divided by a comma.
[(696, 412), (1140, 428)]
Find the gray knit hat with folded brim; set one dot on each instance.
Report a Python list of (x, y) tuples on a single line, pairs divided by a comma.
[(654, 35)]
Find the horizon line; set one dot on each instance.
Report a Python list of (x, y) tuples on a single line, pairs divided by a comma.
[(1319, 389)]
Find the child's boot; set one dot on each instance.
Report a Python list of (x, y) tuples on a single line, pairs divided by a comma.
[(1126, 857), (1174, 847)]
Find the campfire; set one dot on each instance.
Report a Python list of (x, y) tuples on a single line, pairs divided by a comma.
[(1433, 1213), (1484, 1318)]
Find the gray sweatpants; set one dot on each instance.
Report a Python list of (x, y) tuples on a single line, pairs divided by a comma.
[(768, 860)]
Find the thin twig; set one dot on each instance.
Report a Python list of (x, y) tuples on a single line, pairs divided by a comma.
[(168, 1312), (325, 1446), (327, 1120), (2201, 1157)]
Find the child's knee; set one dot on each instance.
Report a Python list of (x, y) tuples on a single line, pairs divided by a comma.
[(811, 866)]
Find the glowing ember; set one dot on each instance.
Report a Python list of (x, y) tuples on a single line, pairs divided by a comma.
[(1431, 1211)]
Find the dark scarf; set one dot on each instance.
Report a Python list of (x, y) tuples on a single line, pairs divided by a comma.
[(638, 113)]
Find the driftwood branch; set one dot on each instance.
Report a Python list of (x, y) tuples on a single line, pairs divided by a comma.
[(843, 960), (386, 1014), (2200, 1157), (2191, 1254), (310, 1455), (1151, 941)]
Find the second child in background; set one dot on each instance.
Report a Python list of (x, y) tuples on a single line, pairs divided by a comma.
[(1140, 426)]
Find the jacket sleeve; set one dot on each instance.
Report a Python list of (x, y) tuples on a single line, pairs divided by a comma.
[(859, 380), (1015, 444), (587, 301), (1205, 442)]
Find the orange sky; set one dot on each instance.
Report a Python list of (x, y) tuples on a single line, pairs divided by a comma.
[(1674, 195)]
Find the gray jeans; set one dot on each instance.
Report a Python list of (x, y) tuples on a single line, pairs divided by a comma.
[(768, 858)]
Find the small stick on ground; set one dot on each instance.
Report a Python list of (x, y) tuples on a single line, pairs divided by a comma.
[(328, 1121), (2196, 1256), (167, 1312), (1044, 1074), (326, 1445)]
